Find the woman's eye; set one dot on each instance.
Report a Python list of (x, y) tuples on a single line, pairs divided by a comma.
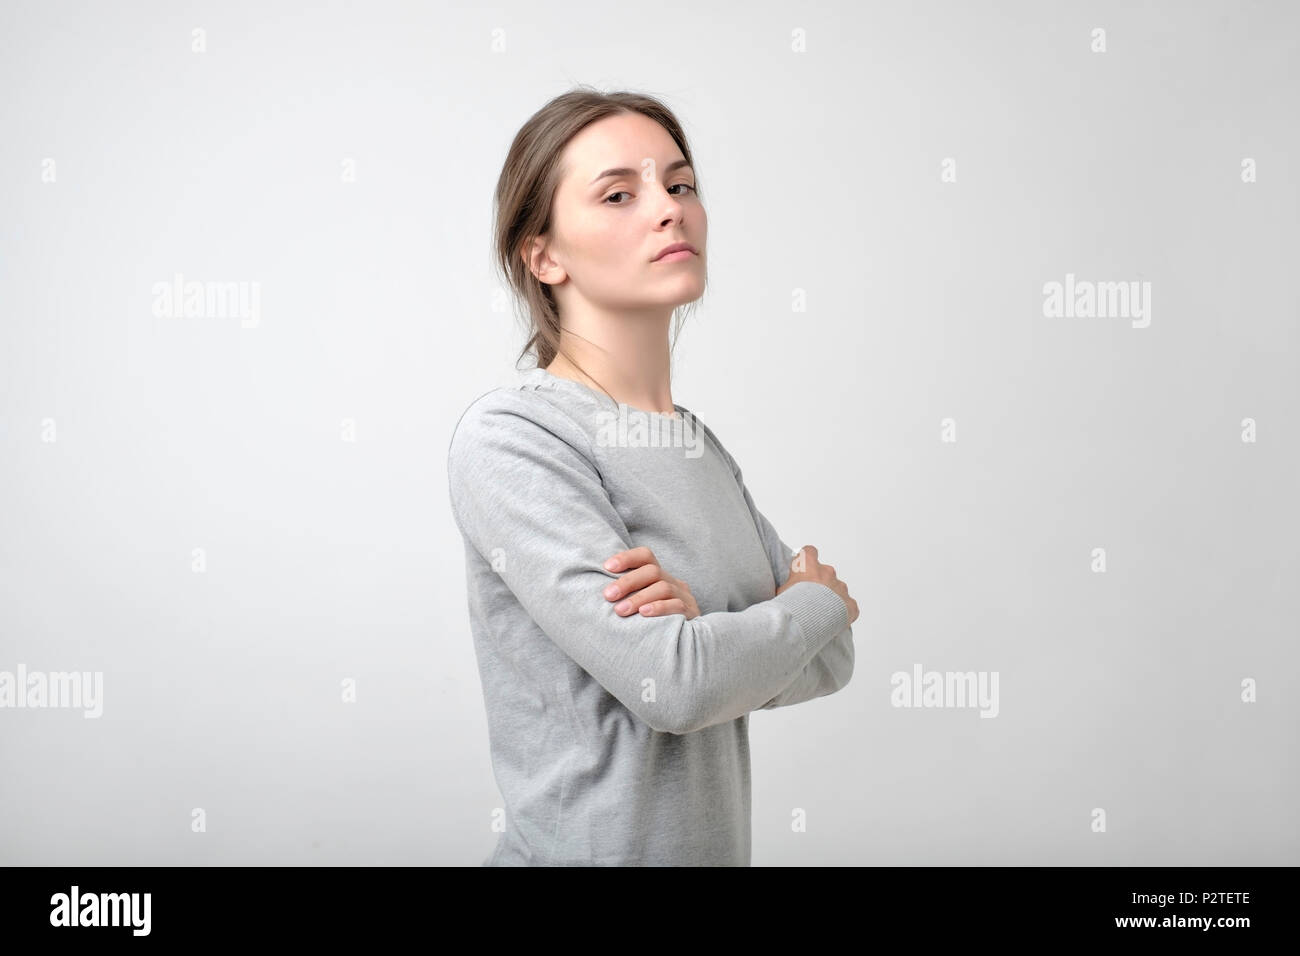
[(626, 193)]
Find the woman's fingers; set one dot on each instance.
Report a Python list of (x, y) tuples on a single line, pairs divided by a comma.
[(642, 577), (646, 588), (633, 558), (658, 591), (660, 608)]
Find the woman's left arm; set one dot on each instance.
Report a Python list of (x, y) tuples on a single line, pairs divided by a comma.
[(832, 667)]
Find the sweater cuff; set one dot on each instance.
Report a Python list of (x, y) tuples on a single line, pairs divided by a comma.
[(820, 613)]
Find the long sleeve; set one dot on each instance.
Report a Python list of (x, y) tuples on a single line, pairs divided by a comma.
[(526, 495), (832, 667)]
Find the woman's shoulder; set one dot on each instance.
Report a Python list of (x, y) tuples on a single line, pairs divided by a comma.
[(508, 416), (509, 420)]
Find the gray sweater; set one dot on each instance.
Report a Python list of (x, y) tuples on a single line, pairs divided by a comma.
[(624, 740)]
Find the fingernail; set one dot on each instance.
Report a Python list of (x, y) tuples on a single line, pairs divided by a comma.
[(611, 564), (611, 591), (623, 606)]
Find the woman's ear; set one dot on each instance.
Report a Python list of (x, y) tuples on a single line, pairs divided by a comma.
[(540, 263)]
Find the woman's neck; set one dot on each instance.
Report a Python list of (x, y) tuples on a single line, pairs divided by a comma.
[(632, 381)]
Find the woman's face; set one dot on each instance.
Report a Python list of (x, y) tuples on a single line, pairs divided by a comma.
[(608, 227)]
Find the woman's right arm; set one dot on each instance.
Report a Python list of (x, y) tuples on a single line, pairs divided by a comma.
[(525, 494)]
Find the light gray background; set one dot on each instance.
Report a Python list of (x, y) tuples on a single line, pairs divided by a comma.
[(329, 560)]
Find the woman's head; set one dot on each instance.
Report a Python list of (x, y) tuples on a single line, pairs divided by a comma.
[(569, 236)]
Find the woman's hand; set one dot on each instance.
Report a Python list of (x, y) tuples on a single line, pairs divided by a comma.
[(647, 587), (806, 567)]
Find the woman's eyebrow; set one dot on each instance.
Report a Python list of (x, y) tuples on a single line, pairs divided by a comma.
[(626, 171)]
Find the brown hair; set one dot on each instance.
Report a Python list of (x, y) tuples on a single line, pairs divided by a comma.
[(526, 190)]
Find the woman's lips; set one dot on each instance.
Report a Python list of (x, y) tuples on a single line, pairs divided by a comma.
[(677, 256)]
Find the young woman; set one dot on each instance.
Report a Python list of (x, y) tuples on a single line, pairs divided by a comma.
[(629, 603)]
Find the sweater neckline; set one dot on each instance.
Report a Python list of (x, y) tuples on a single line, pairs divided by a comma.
[(538, 377)]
